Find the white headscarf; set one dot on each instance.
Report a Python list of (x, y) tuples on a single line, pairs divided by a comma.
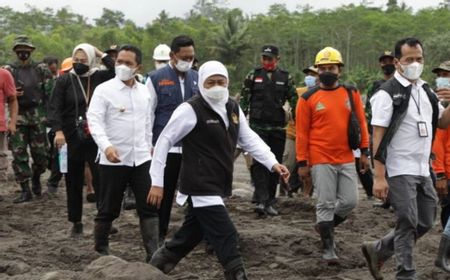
[(208, 69), (90, 53)]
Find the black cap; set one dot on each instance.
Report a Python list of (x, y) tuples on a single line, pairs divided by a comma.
[(269, 50), (386, 54)]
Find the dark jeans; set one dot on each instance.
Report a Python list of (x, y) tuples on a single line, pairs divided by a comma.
[(114, 180), (75, 181), (171, 172), (266, 181), (366, 179), (212, 223)]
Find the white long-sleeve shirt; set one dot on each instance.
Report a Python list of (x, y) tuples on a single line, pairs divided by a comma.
[(154, 96), (119, 116), (180, 124)]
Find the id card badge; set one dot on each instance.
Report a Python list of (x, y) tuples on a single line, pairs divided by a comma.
[(422, 126)]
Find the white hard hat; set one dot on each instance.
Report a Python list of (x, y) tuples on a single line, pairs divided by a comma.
[(161, 52)]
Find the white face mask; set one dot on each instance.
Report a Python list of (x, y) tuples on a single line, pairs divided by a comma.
[(124, 73), (412, 71), (216, 93), (160, 65), (183, 66), (443, 82)]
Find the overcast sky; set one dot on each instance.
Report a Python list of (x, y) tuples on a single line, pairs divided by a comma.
[(144, 11)]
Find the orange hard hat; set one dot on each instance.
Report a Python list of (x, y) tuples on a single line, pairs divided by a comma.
[(66, 65)]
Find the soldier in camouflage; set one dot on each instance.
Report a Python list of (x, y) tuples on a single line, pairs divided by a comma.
[(33, 82), (264, 92)]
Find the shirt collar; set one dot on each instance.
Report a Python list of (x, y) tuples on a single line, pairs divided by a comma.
[(121, 85), (404, 82)]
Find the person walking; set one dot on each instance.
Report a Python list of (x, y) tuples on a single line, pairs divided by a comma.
[(405, 115), (264, 92), (209, 125), (170, 86), (33, 85), (323, 146), (67, 114)]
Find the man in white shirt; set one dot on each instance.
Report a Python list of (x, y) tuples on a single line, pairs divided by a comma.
[(121, 125), (405, 114), (210, 125), (170, 86)]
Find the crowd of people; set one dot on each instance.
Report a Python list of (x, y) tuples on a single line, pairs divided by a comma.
[(143, 141)]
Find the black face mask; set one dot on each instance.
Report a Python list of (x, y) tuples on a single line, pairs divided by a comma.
[(23, 55), (80, 68), (388, 69), (328, 79)]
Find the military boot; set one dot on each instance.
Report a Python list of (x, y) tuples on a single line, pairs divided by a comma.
[(25, 194), (326, 230), (150, 235), (36, 184), (443, 253), (101, 237)]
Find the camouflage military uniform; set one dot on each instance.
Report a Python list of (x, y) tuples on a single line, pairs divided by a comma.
[(31, 131)]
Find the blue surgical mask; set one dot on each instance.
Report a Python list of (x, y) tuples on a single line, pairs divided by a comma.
[(310, 81), (442, 82)]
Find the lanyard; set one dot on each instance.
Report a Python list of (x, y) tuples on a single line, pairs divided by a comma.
[(86, 95), (417, 102)]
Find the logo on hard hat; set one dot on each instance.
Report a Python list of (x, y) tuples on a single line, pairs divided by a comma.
[(326, 54), (268, 50)]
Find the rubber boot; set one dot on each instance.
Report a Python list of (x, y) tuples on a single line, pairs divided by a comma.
[(234, 270), (443, 253), (36, 184), (77, 229), (327, 236), (150, 235), (101, 235), (25, 194), (129, 201), (164, 260), (338, 220)]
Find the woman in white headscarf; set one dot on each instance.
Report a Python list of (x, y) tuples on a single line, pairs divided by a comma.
[(210, 125), (67, 115)]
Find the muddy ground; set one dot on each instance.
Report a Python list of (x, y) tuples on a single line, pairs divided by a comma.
[(283, 247)]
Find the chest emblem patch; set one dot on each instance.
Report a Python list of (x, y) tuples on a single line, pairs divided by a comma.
[(319, 106)]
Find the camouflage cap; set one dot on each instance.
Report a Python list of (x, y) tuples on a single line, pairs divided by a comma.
[(444, 66), (112, 49), (386, 54), (22, 40), (310, 69)]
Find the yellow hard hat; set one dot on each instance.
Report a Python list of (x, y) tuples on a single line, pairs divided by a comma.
[(328, 55)]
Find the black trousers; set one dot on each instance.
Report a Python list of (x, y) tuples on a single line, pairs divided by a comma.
[(114, 180), (366, 179), (55, 175), (266, 181), (171, 173), (211, 223), (75, 181)]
